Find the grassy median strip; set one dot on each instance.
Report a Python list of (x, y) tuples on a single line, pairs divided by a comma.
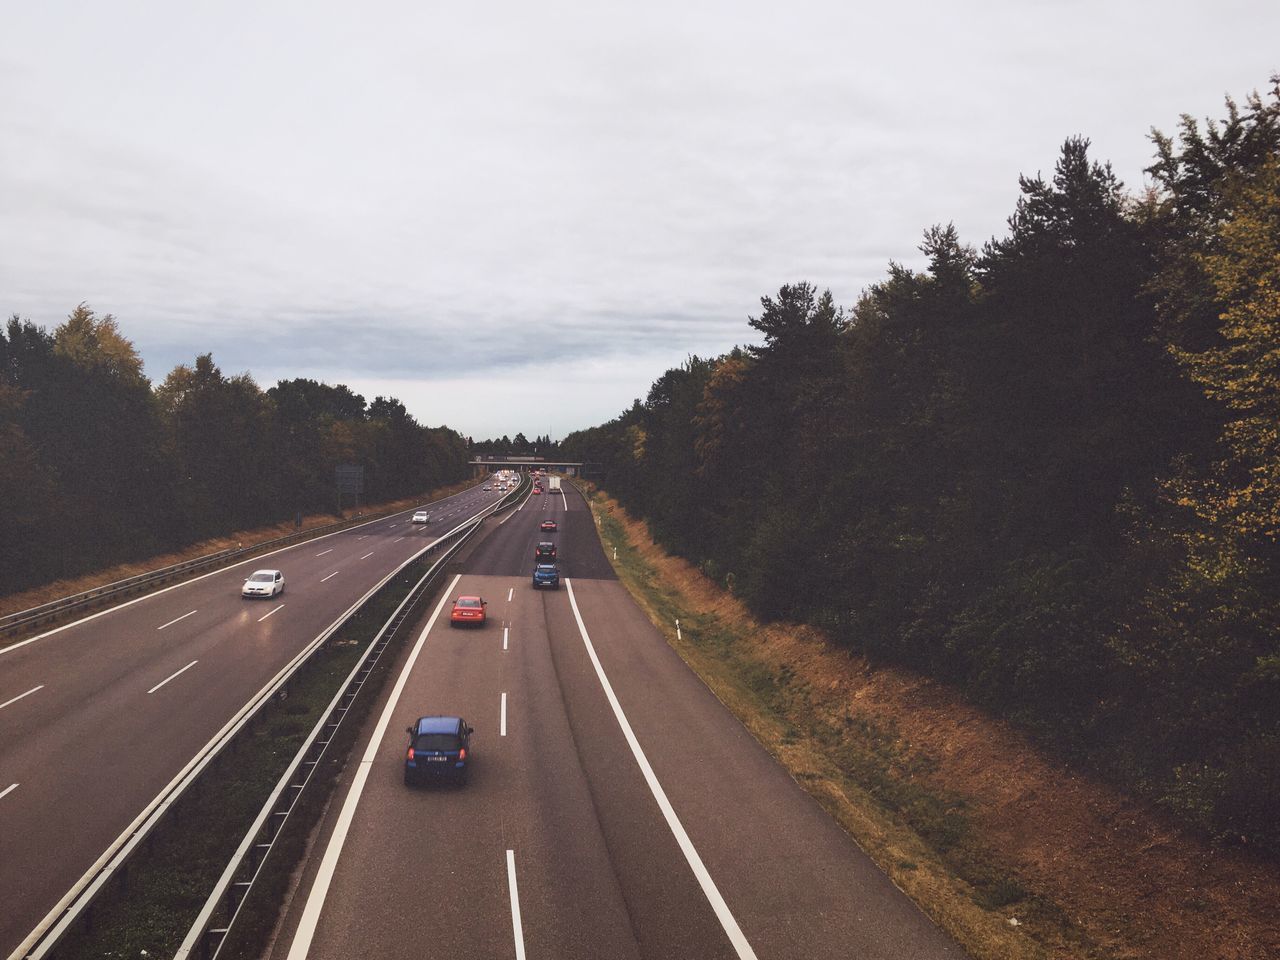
[(857, 767), (149, 910)]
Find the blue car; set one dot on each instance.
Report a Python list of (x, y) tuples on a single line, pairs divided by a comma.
[(546, 575), (438, 749)]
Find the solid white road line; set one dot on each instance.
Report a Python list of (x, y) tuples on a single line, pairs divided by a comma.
[(41, 687), (172, 622), (329, 577), (324, 876), (323, 552), (367, 555), (502, 723), (172, 675), (517, 928), (504, 640), (509, 594), (709, 890), (397, 539), (13, 786), (281, 607)]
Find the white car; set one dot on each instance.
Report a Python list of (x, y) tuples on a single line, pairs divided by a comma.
[(420, 516), (263, 583), (487, 487)]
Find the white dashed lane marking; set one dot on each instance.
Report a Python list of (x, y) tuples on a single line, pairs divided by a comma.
[(20, 696), (172, 675)]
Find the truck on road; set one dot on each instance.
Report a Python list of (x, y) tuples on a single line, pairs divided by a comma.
[(553, 483)]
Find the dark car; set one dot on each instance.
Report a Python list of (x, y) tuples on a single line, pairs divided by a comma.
[(438, 748), (546, 551), (549, 525), (546, 575)]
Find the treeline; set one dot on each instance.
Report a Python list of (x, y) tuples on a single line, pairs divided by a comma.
[(98, 466), (518, 446), (1046, 471)]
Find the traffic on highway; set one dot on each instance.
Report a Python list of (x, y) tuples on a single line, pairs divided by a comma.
[(543, 776)]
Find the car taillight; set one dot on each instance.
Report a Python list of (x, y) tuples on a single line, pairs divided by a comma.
[(410, 755), (462, 754)]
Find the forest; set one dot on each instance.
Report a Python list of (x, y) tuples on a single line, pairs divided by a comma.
[(1045, 471), (101, 466)]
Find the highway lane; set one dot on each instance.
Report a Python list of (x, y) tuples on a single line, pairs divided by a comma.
[(100, 715), (562, 803)]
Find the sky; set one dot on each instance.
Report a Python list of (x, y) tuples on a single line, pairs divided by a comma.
[(515, 216)]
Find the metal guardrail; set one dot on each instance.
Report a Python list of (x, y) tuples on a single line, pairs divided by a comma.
[(229, 895), (56, 608), (74, 904)]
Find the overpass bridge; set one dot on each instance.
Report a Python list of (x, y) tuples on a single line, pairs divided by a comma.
[(482, 465)]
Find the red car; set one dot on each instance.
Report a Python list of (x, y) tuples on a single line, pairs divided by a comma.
[(467, 610), (537, 489), (549, 525)]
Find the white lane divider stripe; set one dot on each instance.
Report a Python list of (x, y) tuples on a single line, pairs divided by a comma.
[(172, 675), (329, 577), (323, 552), (397, 539), (281, 607), (324, 876), (709, 889), (172, 622), (20, 696), (504, 637), (502, 724), (13, 786), (511, 591), (367, 555), (517, 928)]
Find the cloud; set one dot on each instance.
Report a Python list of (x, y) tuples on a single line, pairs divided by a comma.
[(398, 192)]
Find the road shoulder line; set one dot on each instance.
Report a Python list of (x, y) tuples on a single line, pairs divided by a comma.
[(700, 872)]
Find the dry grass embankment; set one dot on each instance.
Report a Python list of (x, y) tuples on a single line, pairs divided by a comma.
[(58, 589), (1015, 854)]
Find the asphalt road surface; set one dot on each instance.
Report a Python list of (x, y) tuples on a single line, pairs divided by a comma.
[(615, 809), (98, 716)]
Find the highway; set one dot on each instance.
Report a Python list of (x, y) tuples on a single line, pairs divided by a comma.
[(615, 808), (98, 716)]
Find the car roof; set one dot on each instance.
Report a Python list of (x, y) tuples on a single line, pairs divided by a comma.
[(256, 572), (438, 724), (467, 596), (546, 543)]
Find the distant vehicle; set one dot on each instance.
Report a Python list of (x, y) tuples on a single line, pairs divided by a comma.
[(546, 550), (468, 610), (553, 483), (548, 525), (420, 516), (437, 749), (537, 489), (263, 583), (487, 487), (546, 575)]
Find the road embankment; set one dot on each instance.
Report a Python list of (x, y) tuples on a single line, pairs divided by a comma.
[(1015, 854)]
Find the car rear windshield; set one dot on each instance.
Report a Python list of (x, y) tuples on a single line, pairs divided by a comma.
[(437, 741), (468, 602)]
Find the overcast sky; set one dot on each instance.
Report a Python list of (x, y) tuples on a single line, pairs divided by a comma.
[(515, 216)]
